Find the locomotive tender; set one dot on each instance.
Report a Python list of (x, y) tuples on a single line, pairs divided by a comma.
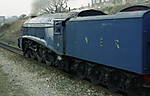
[(112, 50)]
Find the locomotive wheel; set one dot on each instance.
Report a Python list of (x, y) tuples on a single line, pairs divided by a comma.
[(39, 58), (60, 64), (27, 54), (40, 55), (33, 54), (138, 92), (135, 88), (94, 76), (113, 82), (49, 59), (66, 65), (81, 70)]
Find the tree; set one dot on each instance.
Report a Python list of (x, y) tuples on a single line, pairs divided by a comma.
[(56, 6), (23, 16), (37, 6), (49, 6)]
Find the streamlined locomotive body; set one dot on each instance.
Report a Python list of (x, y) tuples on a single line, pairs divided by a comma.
[(113, 50)]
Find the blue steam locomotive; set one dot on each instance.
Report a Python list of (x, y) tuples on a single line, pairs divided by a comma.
[(112, 50)]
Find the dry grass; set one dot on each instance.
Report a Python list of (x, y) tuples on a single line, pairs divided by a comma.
[(9, 33), (117, 8)]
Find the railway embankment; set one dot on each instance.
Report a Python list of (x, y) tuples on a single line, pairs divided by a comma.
[(10, 32)]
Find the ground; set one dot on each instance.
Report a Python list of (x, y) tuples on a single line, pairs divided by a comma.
[(20, 76), (8, 88)]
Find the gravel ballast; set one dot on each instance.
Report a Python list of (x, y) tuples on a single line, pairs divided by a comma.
[(20, 76)]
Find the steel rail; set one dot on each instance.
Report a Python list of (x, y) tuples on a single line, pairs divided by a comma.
[(11, 48)]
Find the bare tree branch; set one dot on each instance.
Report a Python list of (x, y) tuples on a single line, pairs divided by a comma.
[(49, 6)]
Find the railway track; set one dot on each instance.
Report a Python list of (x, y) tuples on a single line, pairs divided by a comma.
[(19, 52), (11, 48)]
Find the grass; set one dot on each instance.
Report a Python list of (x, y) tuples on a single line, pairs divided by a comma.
[(10, 32), (117, 8)]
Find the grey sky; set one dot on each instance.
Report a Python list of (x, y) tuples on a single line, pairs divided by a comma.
[(18, 7)]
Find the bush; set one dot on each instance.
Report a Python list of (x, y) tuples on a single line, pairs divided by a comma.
[(117, 8), (5, 26)]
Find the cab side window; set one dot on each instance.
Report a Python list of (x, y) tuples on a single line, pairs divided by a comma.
[(58, 27)]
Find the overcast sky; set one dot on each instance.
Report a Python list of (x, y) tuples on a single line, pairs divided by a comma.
[(15, 7), (78, 3), (18, 7)]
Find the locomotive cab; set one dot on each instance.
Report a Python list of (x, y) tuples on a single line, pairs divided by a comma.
[(58, 28), (47, 30), (58, 35)]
